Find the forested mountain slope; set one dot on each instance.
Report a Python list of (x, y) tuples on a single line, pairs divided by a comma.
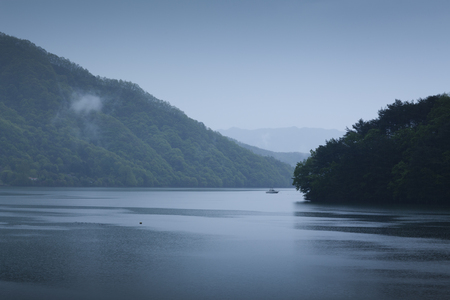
[(403, 156), (62, 126)]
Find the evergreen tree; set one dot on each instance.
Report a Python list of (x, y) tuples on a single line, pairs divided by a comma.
[(403, 156)]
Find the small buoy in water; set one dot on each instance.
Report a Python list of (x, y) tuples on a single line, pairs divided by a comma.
[(140, 222)]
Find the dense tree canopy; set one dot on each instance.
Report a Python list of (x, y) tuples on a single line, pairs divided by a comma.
[(62, 126), (403, 156)]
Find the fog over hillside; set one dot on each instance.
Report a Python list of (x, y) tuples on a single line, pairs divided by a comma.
[(290, 139)]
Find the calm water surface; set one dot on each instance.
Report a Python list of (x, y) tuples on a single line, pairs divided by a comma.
[(215, 244)]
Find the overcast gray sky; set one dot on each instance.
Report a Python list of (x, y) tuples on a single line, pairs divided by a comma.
[(252, 64)]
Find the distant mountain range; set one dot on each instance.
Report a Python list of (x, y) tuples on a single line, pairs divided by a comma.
[(291, 139), (291, 158)]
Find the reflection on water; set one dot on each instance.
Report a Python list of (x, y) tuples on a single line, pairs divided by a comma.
[(215, 244), (404, 251), (412, 224)]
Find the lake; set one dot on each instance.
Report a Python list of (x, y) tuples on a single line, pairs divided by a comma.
[(113, 243)]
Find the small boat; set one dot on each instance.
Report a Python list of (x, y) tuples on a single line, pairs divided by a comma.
[(272, 191)]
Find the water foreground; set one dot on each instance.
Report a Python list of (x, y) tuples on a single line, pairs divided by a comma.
[(59, 243)]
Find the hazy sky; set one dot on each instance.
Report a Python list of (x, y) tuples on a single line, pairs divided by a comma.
[(252, 64)]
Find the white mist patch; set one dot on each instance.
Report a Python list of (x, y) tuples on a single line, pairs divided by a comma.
[(265, 138), (86, 103)]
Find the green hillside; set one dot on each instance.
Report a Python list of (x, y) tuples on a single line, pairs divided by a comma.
[(62, 126), (401, 157)]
